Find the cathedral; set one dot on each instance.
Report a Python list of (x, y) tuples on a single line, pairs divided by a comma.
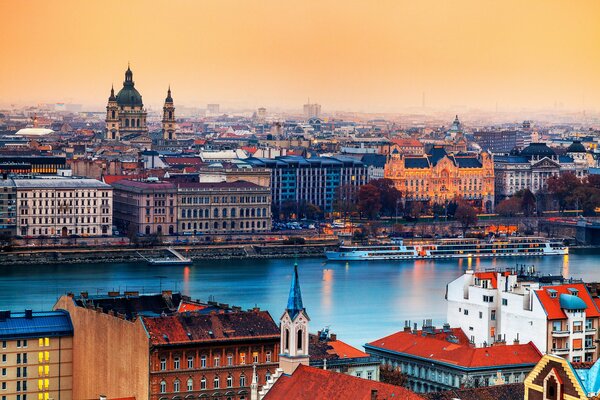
[(126, 115)]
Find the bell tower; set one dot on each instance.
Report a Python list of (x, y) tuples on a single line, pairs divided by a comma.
[(168, 119), (294, 330), (112, 118)]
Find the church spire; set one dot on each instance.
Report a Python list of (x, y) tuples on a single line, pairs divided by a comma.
[(128, 76), (169, 99), (112, 94), (294, 305)]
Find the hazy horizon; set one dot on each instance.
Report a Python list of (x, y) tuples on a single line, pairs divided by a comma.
[(384, 56)]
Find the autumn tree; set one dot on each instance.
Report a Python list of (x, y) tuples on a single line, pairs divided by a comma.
[(345, 199), (391, 375), (509, 207), (563, 187), (369, 200), (389, 197), (466, 215), (528, 202)]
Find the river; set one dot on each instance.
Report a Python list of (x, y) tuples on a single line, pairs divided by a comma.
[(360, 301)]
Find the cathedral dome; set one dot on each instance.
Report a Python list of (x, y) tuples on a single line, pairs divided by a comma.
[(576, 147), (129, 96)]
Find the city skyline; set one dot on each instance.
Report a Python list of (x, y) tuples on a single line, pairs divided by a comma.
[(382, 57)]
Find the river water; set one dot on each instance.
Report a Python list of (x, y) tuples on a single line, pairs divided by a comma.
[(360, 301)]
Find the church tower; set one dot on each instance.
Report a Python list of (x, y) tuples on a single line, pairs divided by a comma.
[(168, 119), (294, 330), (112, 118)]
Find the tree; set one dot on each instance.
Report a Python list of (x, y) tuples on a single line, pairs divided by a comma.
[(528, 202), (389, 197), (369, 202), (562, 187), (391, 375), (466, 215), (509, 207), (312, 211), (345, 200)]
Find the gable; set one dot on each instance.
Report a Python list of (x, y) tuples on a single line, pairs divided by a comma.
[(552, 365), (545, 163)]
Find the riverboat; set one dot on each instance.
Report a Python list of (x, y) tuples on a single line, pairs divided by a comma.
[(397, 249)]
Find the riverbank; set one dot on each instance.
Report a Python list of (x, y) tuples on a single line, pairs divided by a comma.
[(197, 252)]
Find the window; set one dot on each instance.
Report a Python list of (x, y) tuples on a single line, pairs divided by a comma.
[(242, 358), (268, 356), (370, 375), (466, 312), (217, 362), (577, 344), (577, 326), (3, 371), (203, 383), (493, 316), (267, 376), (163, 387), (359, 374), (216, 382), (488, 299), (190, 362), (229, 359), (242, 380), (4, 344), (556, 326), (480, 315), (255, 357), (190, 384), (229, 381), (504, 302), (589, 324), (176, 386), (203, 362), (176, 363), (163, 364)]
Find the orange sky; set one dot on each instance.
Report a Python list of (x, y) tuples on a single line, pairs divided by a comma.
[(362, 55)]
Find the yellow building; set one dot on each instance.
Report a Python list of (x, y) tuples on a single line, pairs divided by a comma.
[(439, 177), (36, 355)]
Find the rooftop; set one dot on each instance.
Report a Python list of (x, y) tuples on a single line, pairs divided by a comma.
[(35, 324), (309, 383), (555, 303), (131, 304), (60, 183), (451, 346), (498, 392)]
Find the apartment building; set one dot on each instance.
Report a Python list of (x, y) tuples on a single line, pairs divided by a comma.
[(61, 207), (36, 355), (559, 317)]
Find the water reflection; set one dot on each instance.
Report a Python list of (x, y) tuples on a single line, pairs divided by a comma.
[(565, 268), (326, 290)]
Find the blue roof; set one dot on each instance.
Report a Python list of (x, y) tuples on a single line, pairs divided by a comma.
[(467, 162), (590, 378), (375, 160), (41, 324), (416, 162), (511, 159), (565, 159), (294, 306), (571, 302)]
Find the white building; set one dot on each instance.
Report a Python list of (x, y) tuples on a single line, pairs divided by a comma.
[(496, 307), (61, 207)]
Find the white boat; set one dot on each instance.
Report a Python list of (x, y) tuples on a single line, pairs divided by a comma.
[(449, 248)]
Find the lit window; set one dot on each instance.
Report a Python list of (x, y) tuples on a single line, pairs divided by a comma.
[(47, 342)]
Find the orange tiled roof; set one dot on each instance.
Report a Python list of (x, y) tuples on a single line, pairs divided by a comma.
[(552, 305), (438, 347), (344, 350), (407, 142), (187, 306), (309, 383)]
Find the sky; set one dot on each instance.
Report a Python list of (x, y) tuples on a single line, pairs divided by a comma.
[(374, 55)]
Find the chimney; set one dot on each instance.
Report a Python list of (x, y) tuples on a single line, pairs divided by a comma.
[(29, 314), (516, 341), (374, 394), (113, 294), (333, 337)]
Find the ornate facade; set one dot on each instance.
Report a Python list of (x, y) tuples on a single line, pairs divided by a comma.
[(439, 177), (168, 119), (125, 112)]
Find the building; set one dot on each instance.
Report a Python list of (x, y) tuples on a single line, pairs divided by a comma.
[(406, 146), (223, 208), (298, 180), (496, 141), (328, 352), (8, 208), (37, 355), (32, 165), (312, 110), (169, 125), (443, 359), (375, 164), (142, 346), (561, 319), (310, 383), (531, 167), (506, 391), (555, 378), (213, 108), (145, 207), (61, 207), (439, 177), (125, 112)]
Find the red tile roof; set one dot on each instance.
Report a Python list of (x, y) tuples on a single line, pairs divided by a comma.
[(188, 306), (309, 383), (110, 179), (344, 350), (438, 347), (552, 305), (195, 327), (407, 142), (491, 276)]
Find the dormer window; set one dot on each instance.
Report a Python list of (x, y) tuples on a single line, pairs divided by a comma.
[(552, 293), (573, 291)]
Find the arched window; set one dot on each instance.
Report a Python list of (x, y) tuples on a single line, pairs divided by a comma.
[(252, 212), (206, 214), (126, 122), (176, 386), (183, 213), (216, 225), (242, 380), (233, 212), (203, 383), (216, 382), (190, 384), (147, 229), (264, 213), (189, 213), (286, 336), (138, 122), (216, 212), (195, 213), (230, 381), (268, 376), (247, 212), (232, 224), (113, 114), (224, 225), (170, 114), (224, 212), (163, 387), (299, 339)]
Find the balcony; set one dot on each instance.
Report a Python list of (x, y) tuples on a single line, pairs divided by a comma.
[(590, 330), (561, 333), (590, 347), (561, 350)]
